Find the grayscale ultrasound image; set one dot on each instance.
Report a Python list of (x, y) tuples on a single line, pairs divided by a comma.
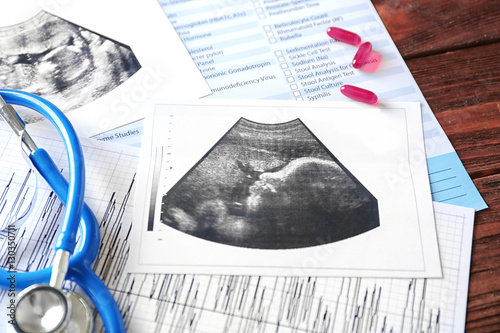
[(270, 186), (62, 62)]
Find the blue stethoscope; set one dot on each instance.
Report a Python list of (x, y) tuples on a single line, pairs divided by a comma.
[(43, 305)]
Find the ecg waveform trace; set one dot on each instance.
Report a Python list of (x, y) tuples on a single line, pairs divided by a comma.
[(279, 304), (203, 303), (35, 252)]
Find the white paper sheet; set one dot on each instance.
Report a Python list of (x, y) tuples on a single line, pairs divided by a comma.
[(163, 302), (382, 147), (166, 67)]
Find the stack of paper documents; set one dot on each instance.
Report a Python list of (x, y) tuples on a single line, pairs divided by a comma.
[(273, 203)]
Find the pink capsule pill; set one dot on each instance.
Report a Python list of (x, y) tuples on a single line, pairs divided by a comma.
[(362, 55), (344, 36), (359, 94)]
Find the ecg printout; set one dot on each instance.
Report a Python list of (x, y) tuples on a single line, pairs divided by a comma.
[(209, 303), (203, 303), (279, 49), (110, 174)]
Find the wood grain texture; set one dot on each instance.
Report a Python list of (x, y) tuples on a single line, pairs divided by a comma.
[(452, 48), (464, 94), (423, 27)]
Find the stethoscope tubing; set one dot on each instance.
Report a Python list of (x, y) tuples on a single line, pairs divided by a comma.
[(80, 262), (66, 239)]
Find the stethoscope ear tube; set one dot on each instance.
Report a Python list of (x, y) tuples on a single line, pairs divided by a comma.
[(42, 161), (80, 263), (66, 240)]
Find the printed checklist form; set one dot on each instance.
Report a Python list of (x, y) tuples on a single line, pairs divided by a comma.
[(279, 50)]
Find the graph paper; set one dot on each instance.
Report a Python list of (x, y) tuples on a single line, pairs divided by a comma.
[(210, 303), (195, 303)]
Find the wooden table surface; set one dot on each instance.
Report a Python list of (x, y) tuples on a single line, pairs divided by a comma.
[(452, 48)]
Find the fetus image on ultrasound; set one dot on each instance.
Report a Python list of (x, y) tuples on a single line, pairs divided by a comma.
[(270, 186), (62, 62)]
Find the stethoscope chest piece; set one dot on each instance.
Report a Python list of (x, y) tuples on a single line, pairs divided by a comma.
[(43, 309)]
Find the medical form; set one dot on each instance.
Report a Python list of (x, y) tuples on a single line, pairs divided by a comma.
[(268, 49)]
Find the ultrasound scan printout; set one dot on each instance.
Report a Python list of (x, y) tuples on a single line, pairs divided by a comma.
[(99, 62), (62, 62), (261, 187), (270, 186)]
